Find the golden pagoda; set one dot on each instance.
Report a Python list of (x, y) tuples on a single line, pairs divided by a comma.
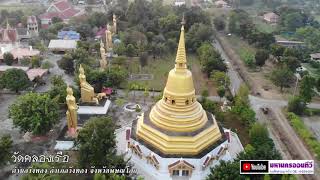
[(177, 124)]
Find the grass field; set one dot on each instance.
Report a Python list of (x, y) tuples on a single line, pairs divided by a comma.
[(314, 72), (160, 68), (263, 26), (240, 46)]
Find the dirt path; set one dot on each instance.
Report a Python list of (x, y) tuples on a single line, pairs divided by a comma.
[(289, 141)]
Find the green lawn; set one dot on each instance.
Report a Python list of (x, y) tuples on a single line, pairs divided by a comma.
[(240, 46), (314, 72), (159, 68), (263, 26)]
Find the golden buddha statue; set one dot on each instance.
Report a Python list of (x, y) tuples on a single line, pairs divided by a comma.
[(177, 124), (87, 91), (72, 117), (114, 28), (108, 38), (103, 60)]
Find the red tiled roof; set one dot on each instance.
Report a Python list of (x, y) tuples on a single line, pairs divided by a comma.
[(33, 73), (50, 15), (70, 13), (62, 5), (66, 11), (24, 52)]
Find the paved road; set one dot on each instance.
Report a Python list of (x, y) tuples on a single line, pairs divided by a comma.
[(235, 79), (283, 135)]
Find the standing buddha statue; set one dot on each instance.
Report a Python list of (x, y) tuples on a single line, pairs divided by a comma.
[(108, 38), (114, 20), (103, 60), (72, 117)]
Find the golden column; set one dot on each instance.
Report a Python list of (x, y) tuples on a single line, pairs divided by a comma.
[(177, 124), (72, 116)]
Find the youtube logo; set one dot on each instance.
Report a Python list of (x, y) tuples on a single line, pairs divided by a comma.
[(254, 166), (246, 166)]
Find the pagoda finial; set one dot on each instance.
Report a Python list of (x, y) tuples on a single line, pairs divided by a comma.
[(181, 58)]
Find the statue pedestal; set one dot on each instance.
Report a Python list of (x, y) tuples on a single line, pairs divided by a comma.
[(86, 111), (72, 132)]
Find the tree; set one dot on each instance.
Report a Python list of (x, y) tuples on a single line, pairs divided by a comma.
[(248, 58), (307, 86), (219, 23), (66, 63), (205, 93), (226, 170), (8, 58), (55, 20), (277, 50), (35, 61), (291, 62), (58, 89), (33, 112), (197, 34), (210, 59), (261, 57), (261, 142), (282, 77), (221, 91), (220, 78), (47, 65), (98, 19), (130, 51), (292, 21), (97, 144), (296, 105), (5, 146), (143, 59), (15, 80)]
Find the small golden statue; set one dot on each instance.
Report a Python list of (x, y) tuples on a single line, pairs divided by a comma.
[(72, 117), (87, 91), (108, 38), (103, 60), (114, 28)]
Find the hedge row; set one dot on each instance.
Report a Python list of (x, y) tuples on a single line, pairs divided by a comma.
[(305, 133)]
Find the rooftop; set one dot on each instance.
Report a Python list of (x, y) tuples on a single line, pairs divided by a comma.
[(315, 55), (62, 44), (37, 72)]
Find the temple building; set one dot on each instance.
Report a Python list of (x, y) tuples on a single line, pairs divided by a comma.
[(177, 137)]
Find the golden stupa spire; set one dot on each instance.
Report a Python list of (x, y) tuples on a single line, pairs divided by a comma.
[(181, 58)]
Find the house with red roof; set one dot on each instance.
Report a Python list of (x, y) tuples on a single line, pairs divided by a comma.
[(62, 9)]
